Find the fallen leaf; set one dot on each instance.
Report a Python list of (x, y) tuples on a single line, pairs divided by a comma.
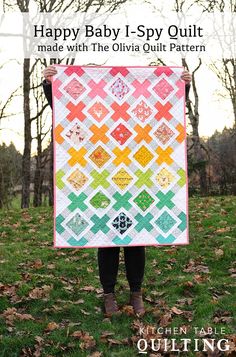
[(185, 301), (88, 288), (219, 252), (165, 320), (85, 312), (26, 352), (128, 310), (200, 278), (87, 341), (38, 339), (223, 230), (98, 309), (193, 267), (188, 315), (96, 354), (232, 346), (149, 299), (233, 272), (99, 291), (112, 341), (51, 326), (51, 266), (188, 284), (107, 334), (157, 293), (77, 302), (85, 255), (38, 347), (176, 311), (77, 334), (222, 317), (157, 313), (72, 324), (11, 314), (40, 293), (107, 320), (154, 263), (223, 212), (26, 276), (24, 317)]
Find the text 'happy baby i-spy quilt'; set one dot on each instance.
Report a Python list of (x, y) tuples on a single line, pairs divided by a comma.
[(120, 168)]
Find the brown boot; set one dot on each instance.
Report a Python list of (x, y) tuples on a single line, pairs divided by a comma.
[(110, 305), (136, 300)]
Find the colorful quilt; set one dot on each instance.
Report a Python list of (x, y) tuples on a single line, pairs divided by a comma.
[(120, 168)]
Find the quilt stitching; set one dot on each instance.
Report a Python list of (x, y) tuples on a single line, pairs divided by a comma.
[(120, 156)]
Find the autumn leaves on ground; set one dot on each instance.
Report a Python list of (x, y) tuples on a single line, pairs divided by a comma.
[(51, 300)]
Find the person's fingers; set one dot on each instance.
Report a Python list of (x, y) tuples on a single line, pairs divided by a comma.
[(49, 72), (185, 73), (186, 76), (50, 67)]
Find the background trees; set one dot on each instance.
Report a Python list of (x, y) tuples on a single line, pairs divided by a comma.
[(211, 161), (32, 69), (10, 173)]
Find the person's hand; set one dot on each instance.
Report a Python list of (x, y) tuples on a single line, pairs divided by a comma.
[(48, 72), (186, 76)]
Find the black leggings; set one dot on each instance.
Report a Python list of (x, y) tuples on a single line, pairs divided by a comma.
[(108, 263)]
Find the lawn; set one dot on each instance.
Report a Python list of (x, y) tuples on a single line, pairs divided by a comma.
[(51, 299)]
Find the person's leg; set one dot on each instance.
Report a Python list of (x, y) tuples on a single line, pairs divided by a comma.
[(108, 263), (134, 264)]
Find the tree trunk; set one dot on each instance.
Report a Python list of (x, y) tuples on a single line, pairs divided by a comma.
[(38, 175), (193, 114), (25, 198), (230, 81), (38, 182), (203, 181), (1, 187)]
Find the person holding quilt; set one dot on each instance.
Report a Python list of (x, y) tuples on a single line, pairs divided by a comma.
[(108, 258)]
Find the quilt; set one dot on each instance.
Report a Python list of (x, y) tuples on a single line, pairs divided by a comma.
[(120, 161)]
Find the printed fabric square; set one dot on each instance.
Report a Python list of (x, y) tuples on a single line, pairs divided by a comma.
[(120, 160)]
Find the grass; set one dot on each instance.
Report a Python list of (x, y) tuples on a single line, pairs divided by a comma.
[(15, 202), (60, 288)]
